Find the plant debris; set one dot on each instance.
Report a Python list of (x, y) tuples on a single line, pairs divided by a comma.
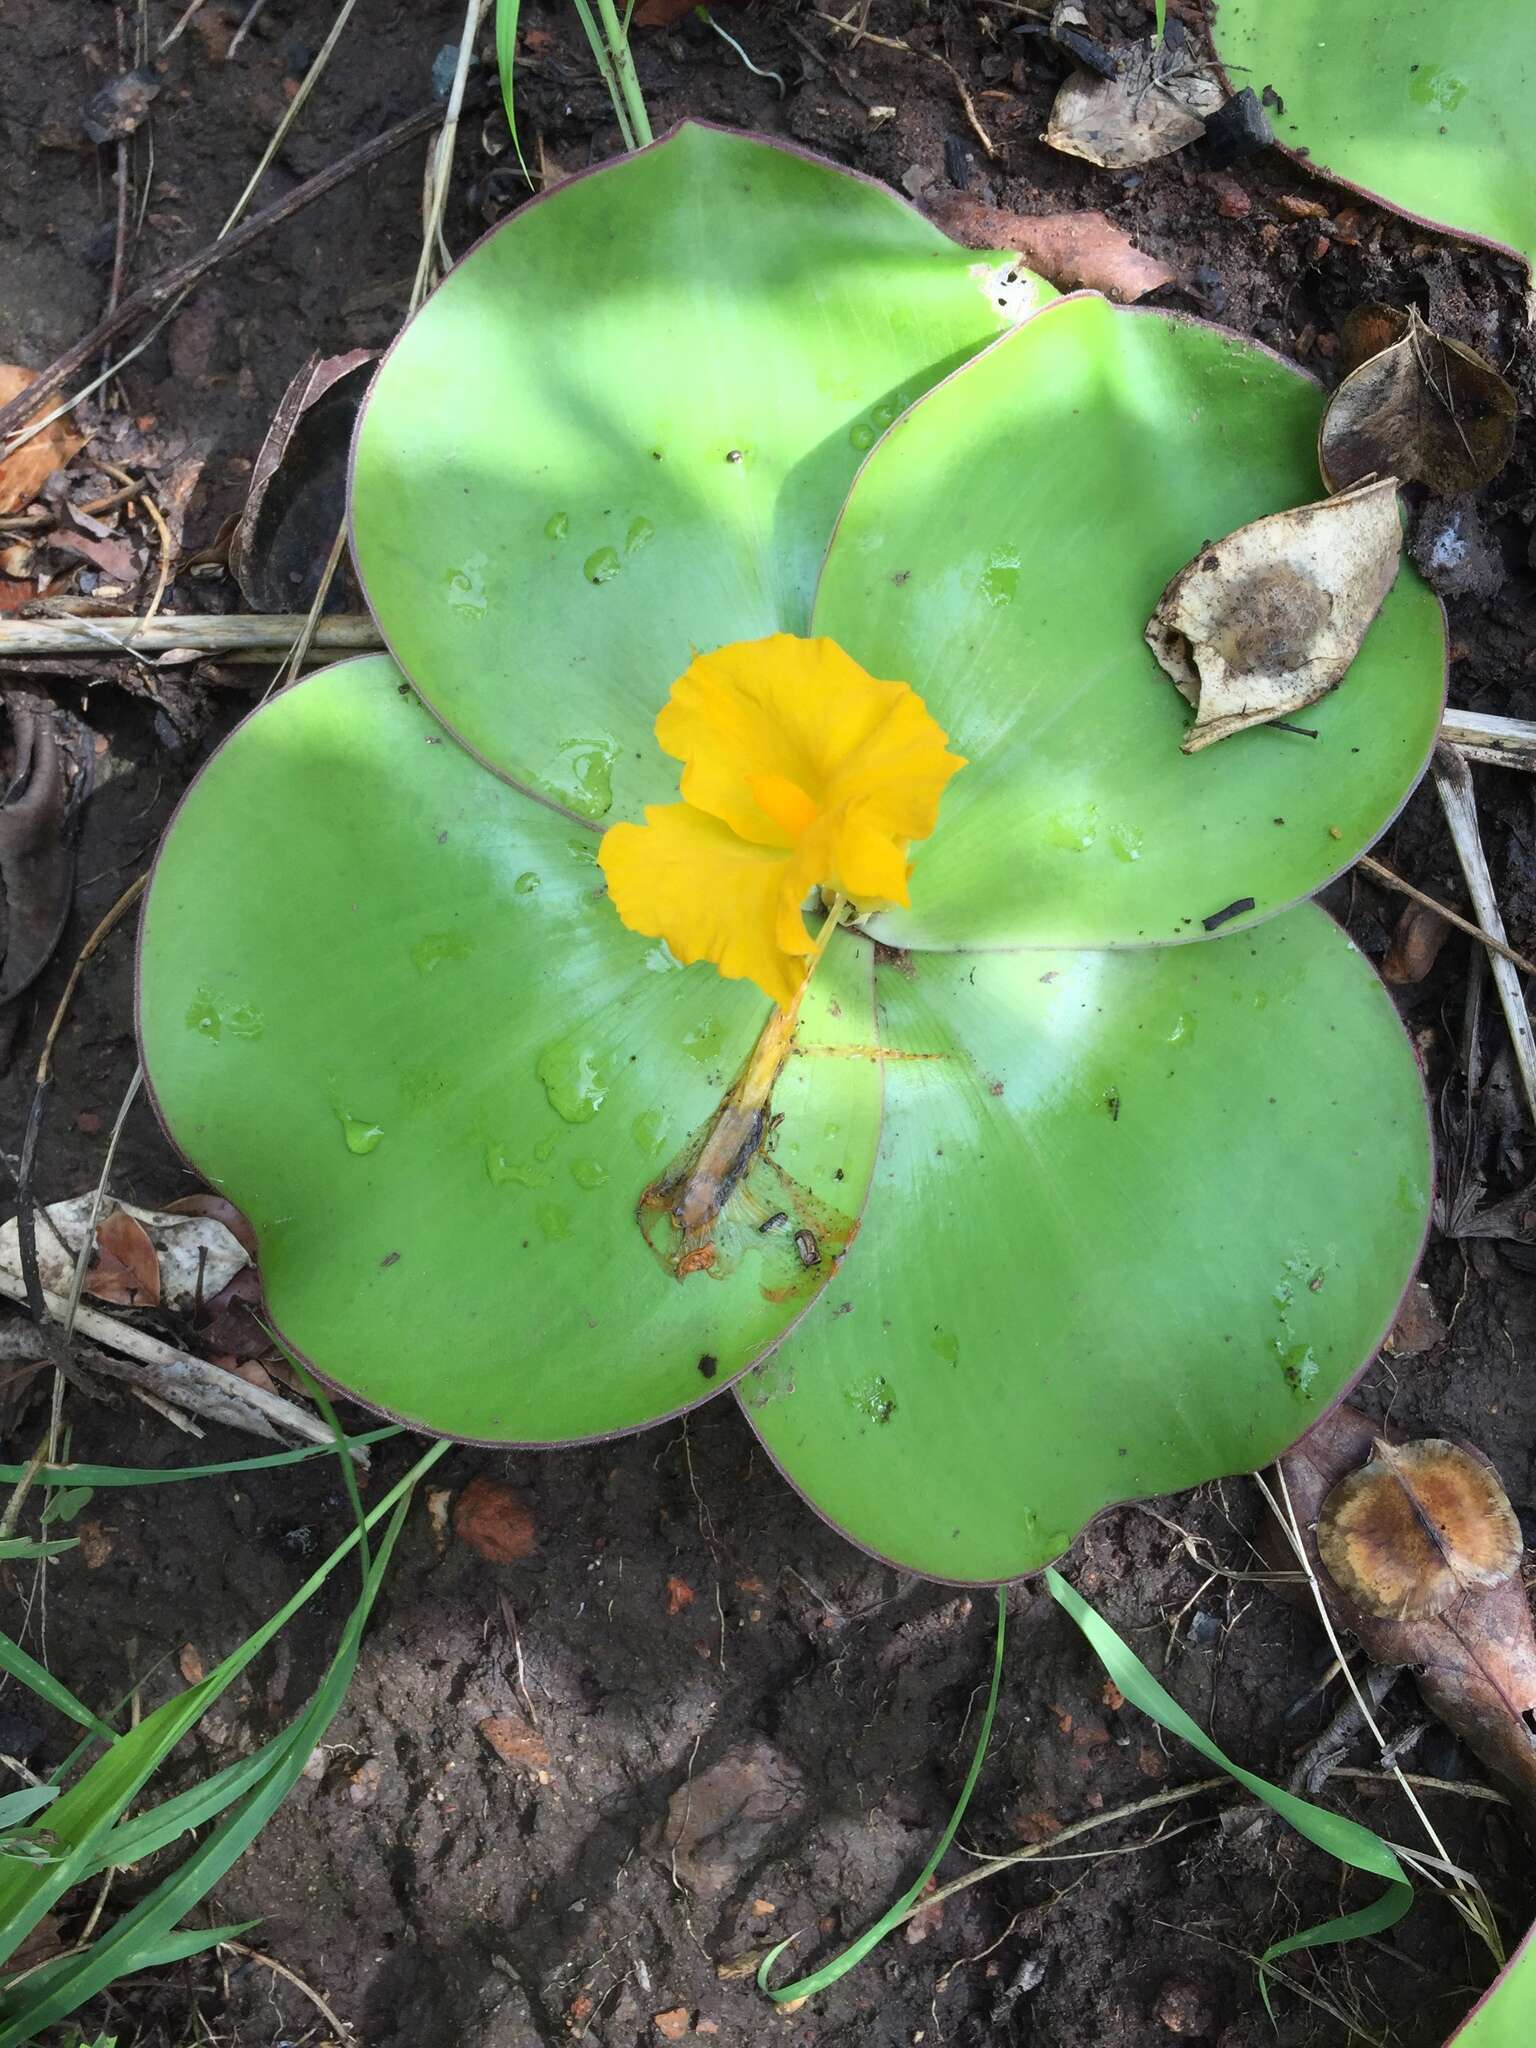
[(144, 1258), (493, 1520), (113, 114), (45, 776), (1475, 1661), (297, 496), (1419, 1527), (1268, 620), (26, 469), (1423, 409), (1158, 100), (1079, 250)]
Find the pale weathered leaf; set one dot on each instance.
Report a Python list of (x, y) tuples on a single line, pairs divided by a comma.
[(1423, 409), (1156, 103), (1268, 620), (197, 1255)]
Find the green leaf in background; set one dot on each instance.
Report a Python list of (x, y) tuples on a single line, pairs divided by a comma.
[(16, 1807), (626, 421), (1424, 105), (1136, 1219), (1505, 2015), (14, 1547), (1002, 550), (1339, 1837)]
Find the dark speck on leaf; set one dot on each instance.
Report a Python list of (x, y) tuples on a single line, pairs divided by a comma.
[(776, 1221), (901, 575), (1218, 918), (389, 1258), (709, 1365)]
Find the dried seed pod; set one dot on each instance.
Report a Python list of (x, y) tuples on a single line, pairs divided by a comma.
[(1417, 1528)]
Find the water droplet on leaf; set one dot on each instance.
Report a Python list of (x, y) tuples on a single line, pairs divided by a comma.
[(526, 883), (557, 526), (589, 1173), (602, 565), (575, 1084), (362, 1138), (466, 587), (438, 946), (640, 535)]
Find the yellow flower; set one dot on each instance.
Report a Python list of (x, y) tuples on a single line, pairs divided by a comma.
[(799, 769)]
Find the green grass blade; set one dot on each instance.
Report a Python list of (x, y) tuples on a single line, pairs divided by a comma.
[(39, 1680), (19, 1806), (83, 1816), (506, 57), (138, 1936), (1344, 1839), (26, 1546), (153, 1475), (818, 1980), (175, 1948)]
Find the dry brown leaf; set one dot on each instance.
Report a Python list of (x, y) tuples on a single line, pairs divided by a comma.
[(492, 1520), (1075, 251), (719, 1821), (1417, 1529), (1423, 409), (189, 1661), (1268, 620), (124, 1268), (24, 472), (1154, 106), (671, 2025), (1416, 943), (1475, 1663), (516, 1743)]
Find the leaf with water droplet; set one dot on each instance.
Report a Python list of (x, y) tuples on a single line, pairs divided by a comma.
[(602, 565), (361, 1137), (574, 1080)]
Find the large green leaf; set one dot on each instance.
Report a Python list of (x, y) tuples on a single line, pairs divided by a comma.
[(1505, 2015), (1002, 551), (1427, 106), (386, 1007), (621, 431), (1137, 1218)]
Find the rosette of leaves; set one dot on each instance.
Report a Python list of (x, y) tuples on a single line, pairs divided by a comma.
[(1096, 1173)]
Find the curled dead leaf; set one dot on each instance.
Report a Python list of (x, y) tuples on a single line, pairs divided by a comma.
[(1417, 1528), (1157, 102), (23, 472), (297, 493), (1416, 944), (1268, 620), (1423, 409), (124, 1268), (1080, 250)]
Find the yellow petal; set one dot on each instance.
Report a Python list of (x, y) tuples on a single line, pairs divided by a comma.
[(761, 719), (687, 878)]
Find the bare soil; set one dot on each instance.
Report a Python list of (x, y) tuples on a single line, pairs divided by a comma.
[(681, 1601)]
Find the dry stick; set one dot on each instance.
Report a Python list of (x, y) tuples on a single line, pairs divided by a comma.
[(1043, 1851), (244, 633), (26, 1213), (188, 1381), (1453, 781), (968, 103), (254, 1955), (1383, 874), (150, 297), (1484, 736)]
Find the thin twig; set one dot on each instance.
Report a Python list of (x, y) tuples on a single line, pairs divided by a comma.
[(1383, 874), (254, 1955), (1453, 782), (968, 103), (154, 294)]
